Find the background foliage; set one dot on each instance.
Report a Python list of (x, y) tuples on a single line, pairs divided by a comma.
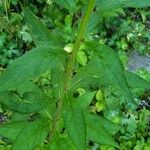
[(125, 30)]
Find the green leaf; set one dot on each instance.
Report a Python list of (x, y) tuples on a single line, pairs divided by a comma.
[(31, 65), (84, 78), (28, 103), (85, 99), (57, 79), (75, 123), (94, 22), (60, 143), (40, 34), (68, 4), (33, 134), (111, 67), (10, 130), (111, 127), (96, 132), (104, 5), (134, 81), (82, 58), (137, 3)]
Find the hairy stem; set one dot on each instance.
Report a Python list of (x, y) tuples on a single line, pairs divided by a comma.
[(71, 61), (77, 43)]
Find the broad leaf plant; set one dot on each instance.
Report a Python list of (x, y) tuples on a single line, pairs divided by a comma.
[(65, 120)]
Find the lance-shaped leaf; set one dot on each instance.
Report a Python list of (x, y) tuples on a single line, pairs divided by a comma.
[(40, 34), (96, 131), (75, 123), (31, 65), (33, 134), (134, 81), (68, 4), (111, 68)]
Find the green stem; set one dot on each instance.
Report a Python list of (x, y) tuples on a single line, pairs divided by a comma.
[(77, 43), (71, 62)]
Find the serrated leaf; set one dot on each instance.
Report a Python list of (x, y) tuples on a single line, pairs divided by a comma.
[(134, 81), (10, 130), (68, 4), (31, 65), (28, 103), (96, 132), (33, 134), (40, 34), (75, 123), (111, 67)]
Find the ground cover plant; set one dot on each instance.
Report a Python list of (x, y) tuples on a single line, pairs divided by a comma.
[(62, 91)]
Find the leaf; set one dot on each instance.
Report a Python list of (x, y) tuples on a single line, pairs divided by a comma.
[(104, 5), (134, 81), (85, 100), (137, 3), (111, 67), (33, 134), (111, 127), (94, 22), (60, 143), (40, 34), (28, 103), (31, 65), (75, 123), (85, 77), (10, 130), (68, 4), (57, 79), (82, 58), (96, 132)]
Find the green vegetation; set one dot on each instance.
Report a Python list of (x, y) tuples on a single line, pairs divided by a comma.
[(64, 80)]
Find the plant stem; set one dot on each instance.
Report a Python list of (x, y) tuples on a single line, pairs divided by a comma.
[(77, 43), (71, 61)]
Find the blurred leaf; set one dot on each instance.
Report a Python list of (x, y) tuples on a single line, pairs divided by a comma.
[(104, 5), (68, 4), (82, 58), (134, 81), (10, 130)]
